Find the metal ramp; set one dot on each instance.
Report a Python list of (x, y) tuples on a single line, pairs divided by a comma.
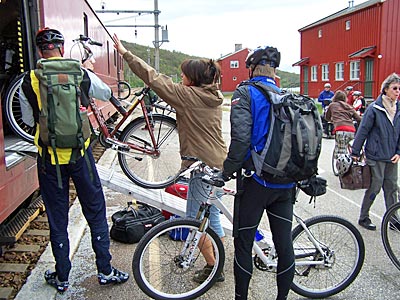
[(154, 197)]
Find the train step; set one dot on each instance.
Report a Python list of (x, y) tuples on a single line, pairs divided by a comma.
[(12, 231)]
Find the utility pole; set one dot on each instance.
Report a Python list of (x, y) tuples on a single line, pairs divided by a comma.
[(157, 43)]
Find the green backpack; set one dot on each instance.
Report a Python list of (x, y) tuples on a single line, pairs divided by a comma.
[(64, 123)]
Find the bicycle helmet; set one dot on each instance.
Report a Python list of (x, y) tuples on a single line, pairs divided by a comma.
[(349, 88), (263, 55), (343, 163), (356, 93), (48, 39), (327, 85)]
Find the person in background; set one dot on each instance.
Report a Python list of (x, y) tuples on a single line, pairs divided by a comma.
[(380, 128), (359, 103), (325, 98), (198, 104), (50, 44), (349, 94), (249, 127), (326, 94), (342, 114)]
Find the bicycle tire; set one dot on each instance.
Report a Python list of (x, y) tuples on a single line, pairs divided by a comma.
[(13, 112), (334, 161), (345, 247), (155, 262), (150, 171), (390, 233), (123, 86)]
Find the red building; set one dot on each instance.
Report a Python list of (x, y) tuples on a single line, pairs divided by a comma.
[(233, 68), (357, 46)]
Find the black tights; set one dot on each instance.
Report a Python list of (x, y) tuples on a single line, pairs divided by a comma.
[(279, 207)]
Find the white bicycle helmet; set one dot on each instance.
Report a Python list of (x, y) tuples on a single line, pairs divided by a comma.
[(343, 163)]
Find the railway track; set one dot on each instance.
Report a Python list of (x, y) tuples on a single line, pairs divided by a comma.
[(24, 239)]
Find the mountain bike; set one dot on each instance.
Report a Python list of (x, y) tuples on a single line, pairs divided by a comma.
[(390, 233), (329, 252), (148, 146)]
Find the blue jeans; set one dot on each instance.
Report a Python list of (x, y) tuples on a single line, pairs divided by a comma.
[(198, 192), (92, 200)]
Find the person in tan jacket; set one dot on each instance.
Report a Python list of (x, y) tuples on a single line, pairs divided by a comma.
[(197, 101)]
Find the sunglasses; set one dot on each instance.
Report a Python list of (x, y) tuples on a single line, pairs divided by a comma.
[(395, 88)]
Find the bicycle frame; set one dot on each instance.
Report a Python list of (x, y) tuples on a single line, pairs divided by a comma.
[(270, 259), (111, 136), (115, 144)]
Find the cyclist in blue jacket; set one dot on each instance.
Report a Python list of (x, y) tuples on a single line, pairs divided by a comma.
[(249, 128)]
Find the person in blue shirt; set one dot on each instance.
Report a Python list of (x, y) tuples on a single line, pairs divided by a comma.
[(325, 98), (249, 127), (326, 94)]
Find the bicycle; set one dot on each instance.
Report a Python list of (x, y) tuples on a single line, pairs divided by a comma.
[(390, 233), (148, 146), (329, 253)]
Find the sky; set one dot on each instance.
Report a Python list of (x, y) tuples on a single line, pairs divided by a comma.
[(211, 28)]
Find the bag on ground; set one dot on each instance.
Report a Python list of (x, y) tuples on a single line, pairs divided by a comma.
[(358, 177), (131, 224), (293, 143)]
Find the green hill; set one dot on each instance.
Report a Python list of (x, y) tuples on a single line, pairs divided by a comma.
[(170, 62)]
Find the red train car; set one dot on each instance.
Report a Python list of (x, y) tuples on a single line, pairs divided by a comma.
[(357, 46), (19, 22)]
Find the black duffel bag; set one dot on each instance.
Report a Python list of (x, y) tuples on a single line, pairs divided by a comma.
[(131, 224)]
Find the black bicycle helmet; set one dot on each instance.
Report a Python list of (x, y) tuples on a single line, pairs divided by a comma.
[(263, 55), (48, 39)]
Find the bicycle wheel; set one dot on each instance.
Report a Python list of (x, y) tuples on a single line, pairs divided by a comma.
[(14, 114), (161, 266), (343, 257), (334, 161), (390, 233), (151, 171), (124, 90)]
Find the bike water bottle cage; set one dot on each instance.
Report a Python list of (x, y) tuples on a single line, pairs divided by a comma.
[(263, 56), (48, 39)]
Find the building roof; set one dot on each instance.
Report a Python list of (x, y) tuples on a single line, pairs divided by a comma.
[(233, 53), (363, 52), (341, 13), (301, 62)]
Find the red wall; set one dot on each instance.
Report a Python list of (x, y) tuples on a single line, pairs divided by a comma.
[(337, 44), (390, 41), (231, 77)]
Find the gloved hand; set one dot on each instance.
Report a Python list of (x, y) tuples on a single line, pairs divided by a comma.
[(221, 176)]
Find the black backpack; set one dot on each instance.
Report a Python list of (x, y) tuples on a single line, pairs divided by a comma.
[(293, 144)]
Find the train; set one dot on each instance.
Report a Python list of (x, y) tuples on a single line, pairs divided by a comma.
[(19, 22)]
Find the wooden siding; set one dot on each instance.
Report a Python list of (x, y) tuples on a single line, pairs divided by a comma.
[(372, 23), (390, 41)]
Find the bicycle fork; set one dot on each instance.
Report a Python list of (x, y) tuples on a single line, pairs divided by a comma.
[(187, 255)]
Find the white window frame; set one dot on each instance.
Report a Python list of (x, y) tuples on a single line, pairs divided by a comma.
[(339, 71), (234, 64), (355, 70), (314, 73), (325, 72), (319, 33), (348, 24)]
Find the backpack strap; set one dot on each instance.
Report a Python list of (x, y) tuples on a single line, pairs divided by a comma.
[(51, 125)]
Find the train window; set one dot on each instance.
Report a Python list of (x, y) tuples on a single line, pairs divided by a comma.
[(85, 25), (108, 57)]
